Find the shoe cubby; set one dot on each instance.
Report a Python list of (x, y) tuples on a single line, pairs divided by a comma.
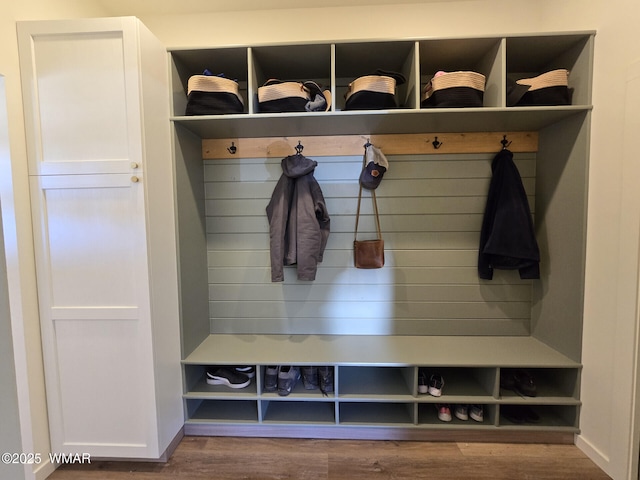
[(552, 384), (461, 384), (377, 413), (298, 391), (195, 379), (221, 411), (428, 416), (298, 412), (538, 416), (372, 382)]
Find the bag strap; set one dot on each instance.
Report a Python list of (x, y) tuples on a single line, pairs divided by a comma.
[(375, 209)]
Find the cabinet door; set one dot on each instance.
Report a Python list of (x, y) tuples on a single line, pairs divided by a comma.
[(81, 95), (94, 304)]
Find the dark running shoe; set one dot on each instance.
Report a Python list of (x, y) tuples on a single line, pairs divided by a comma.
[(247, 370), (227, 377), (271, 378)]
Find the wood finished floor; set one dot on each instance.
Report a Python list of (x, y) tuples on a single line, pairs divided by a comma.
[(231, 458)]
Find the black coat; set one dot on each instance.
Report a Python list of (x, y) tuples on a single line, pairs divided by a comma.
[(507, 238)]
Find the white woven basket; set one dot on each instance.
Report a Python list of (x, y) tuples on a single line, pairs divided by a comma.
[(554, 78), (372, 83), (277, 91), (454, 79), (210, 83)]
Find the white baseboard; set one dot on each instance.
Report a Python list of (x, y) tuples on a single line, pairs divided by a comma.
[(597, 456)]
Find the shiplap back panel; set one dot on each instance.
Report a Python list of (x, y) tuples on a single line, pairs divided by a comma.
[(431, 209)]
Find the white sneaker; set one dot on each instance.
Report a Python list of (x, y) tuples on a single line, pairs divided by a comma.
[(444, 412), (436, 382), (422, 383), (461, 412), (476, 413)]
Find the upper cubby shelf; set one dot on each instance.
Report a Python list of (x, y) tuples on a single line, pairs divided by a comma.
[(335, 65)]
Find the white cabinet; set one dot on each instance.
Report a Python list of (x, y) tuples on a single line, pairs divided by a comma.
[(95, 94)]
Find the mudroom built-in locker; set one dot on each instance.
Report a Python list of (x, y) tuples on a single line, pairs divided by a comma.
[(426, 310)]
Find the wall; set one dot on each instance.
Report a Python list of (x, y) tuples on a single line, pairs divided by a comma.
[(431, 209), (10, 437), (610, 325)]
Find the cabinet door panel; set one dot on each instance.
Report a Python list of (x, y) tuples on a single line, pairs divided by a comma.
[(90, 243), (94, 304), (104, 389), (81, 90)]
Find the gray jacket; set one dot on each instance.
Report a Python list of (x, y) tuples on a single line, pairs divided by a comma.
[(298, 220)]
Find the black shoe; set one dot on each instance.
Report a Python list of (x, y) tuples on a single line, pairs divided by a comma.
[(519, 414), (524, 383), (270, 378), (513, 413), (248, 371), (529, 415), (519, 381), (228, 377)]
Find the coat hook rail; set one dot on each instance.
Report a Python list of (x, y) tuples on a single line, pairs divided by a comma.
[(390, 144)]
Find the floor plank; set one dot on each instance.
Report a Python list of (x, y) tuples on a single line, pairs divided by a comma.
[(237, 458)]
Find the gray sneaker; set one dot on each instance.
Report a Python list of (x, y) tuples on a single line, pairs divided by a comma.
[(310, 378), (476, 413), (326, 379), (287, 379), (271, 378)]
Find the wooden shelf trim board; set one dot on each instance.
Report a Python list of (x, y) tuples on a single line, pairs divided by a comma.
[(390, 144)]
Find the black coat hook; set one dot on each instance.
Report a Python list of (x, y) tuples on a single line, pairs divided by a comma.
[(505, 143), (436, 144), (299, 148), (232, 149), (368, 143)]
